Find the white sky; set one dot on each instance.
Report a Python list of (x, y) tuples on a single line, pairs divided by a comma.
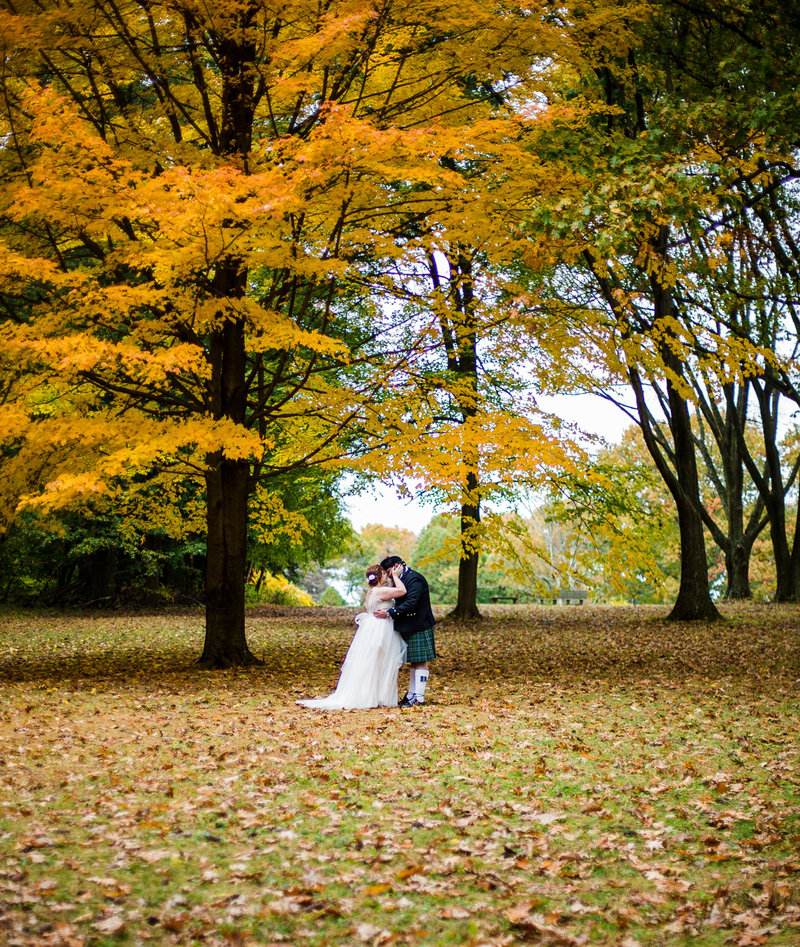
[(382, 505)]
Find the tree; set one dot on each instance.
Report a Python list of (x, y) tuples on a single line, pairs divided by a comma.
[(377, 541), (331, 597), (297, 521), (726, 468), (762, 263), (677, 123), (186, 190), (468, 428), (439, 552), (463, 422), (106, 554), (459, 323)]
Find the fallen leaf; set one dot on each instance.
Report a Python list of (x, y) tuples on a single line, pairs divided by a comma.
[(110, 925)]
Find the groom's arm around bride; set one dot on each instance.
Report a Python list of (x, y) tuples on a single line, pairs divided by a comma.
[(414, 620)]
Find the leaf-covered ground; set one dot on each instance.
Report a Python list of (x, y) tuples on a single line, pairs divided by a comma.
[(578, 776)]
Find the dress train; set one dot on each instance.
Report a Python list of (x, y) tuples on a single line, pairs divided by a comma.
[(369, 673)]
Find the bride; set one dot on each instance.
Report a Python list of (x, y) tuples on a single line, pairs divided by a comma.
[(369, 674)]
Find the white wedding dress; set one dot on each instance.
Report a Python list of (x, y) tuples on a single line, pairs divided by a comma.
[(369, 673)]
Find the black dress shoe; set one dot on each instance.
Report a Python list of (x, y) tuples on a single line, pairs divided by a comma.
[(407, 701)]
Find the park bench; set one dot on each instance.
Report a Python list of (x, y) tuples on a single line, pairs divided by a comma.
[(501, 594), (506, 597), (564, 597), (572, 596)]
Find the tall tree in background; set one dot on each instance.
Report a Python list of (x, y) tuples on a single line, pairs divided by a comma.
[(621, 506), (762, 262), (184, 188), (469, 430), (459, 326), (471, 434), (678, 120)]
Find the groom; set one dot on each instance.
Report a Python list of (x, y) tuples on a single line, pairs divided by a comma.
[(413, 619)]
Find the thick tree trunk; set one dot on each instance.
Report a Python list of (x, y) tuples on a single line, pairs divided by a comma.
[(467, 603), (227, 480), (694, 595), (225, 641), (694, 600), (787, 559), (227, 485), (786, 584), (737, 567), (784, 580), (795, 558)]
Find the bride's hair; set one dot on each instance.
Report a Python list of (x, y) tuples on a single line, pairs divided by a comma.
[(374, 575)]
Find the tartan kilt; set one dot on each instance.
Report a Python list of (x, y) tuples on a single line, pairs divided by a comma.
[(421, 646)]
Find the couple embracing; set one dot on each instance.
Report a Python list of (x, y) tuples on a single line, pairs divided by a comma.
[(395, 627)]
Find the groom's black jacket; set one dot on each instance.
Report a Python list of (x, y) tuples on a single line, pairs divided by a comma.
[(412, 611)]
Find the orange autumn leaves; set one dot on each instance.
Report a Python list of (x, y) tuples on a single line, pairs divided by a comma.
[(131, 199), (554, 803)]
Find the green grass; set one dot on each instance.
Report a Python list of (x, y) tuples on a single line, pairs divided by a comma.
[(578, 775)]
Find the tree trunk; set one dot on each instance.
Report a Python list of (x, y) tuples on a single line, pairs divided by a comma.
[(772, 488), (228, 481), (225, 641), (737, 567), (786, 578), (694, 595), (467, 602), (227, 486), (795, 558), (739, 545), (784, 586), (460, 340)]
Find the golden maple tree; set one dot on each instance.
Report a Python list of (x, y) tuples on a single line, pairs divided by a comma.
[(189, 197)]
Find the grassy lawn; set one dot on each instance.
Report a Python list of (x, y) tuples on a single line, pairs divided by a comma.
[(578, 776)]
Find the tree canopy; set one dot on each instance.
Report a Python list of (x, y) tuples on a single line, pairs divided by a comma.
[(245, 248)]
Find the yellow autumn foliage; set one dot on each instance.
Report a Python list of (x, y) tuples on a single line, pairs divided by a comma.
[(269, 589)]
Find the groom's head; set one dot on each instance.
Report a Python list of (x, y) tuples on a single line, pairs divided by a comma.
[(390, 561)]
